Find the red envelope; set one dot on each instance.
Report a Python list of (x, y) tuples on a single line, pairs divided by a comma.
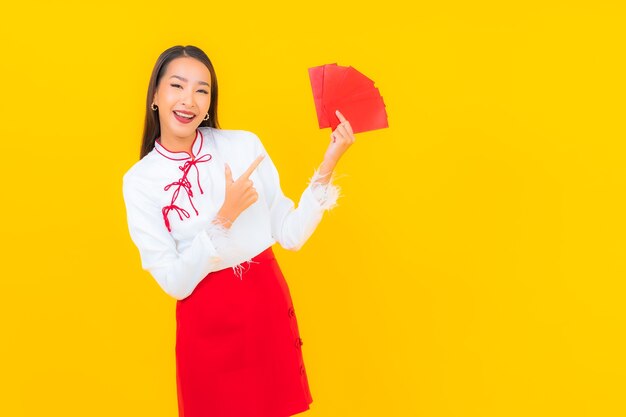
[(354, 82), (363, 115), (345, 89), (333, 76), (316, 75)]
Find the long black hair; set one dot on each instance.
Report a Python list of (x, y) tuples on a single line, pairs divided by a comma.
[(152, 126)]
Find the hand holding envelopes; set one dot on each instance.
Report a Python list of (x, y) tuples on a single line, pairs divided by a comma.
[(352, 93)]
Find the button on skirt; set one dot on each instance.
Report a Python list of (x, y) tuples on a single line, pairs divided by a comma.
[(238, 348)]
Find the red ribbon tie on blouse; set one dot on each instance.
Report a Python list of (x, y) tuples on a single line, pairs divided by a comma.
[(184, 183)]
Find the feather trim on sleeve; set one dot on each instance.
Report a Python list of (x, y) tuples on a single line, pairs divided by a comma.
[(228, 251), (326, 194)]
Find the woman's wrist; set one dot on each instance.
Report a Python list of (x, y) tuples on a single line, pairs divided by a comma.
[(223, 220), (325, 170)]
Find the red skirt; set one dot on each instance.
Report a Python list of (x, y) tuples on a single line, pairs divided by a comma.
[(238, 348)]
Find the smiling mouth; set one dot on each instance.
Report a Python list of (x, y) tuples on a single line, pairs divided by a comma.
[(184, 118), (184, 115)]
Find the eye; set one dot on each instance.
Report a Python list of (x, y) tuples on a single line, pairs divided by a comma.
[(175, 85), (204, 91)]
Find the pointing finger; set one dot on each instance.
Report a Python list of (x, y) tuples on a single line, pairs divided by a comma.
[(340, 116), (228, 174), (252, 167)]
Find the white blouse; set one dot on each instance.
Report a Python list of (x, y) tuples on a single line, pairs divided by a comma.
[(172, 198)]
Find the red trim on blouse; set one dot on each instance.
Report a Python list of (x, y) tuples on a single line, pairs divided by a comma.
[(183, 182), (196, 146)]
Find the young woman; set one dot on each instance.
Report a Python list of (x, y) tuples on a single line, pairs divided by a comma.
[(204, 207)]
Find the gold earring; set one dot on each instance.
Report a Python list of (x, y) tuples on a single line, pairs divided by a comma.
[(206, 117), (154, 107)]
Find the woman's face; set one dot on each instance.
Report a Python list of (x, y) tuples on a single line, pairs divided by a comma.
[(184, 90)]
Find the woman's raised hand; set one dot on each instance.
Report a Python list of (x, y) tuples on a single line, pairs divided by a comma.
[(341, 139), (239, 194)]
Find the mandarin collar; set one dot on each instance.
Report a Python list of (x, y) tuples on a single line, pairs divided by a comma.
[(196, 148)]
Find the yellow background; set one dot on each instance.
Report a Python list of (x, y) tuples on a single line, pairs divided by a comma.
[(474, 266)]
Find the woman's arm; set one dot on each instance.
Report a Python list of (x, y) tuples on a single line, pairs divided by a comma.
[(341, 139), (291, 226), (176, 272)]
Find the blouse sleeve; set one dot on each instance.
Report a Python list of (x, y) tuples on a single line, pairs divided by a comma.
[(177, 273), (292, 227)]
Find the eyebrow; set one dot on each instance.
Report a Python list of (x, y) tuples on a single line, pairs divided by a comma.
[(185, 80)]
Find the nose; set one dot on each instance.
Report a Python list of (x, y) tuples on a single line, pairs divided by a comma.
[(187, 97)]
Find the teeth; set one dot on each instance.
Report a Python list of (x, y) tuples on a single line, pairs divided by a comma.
[(186, 116)]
